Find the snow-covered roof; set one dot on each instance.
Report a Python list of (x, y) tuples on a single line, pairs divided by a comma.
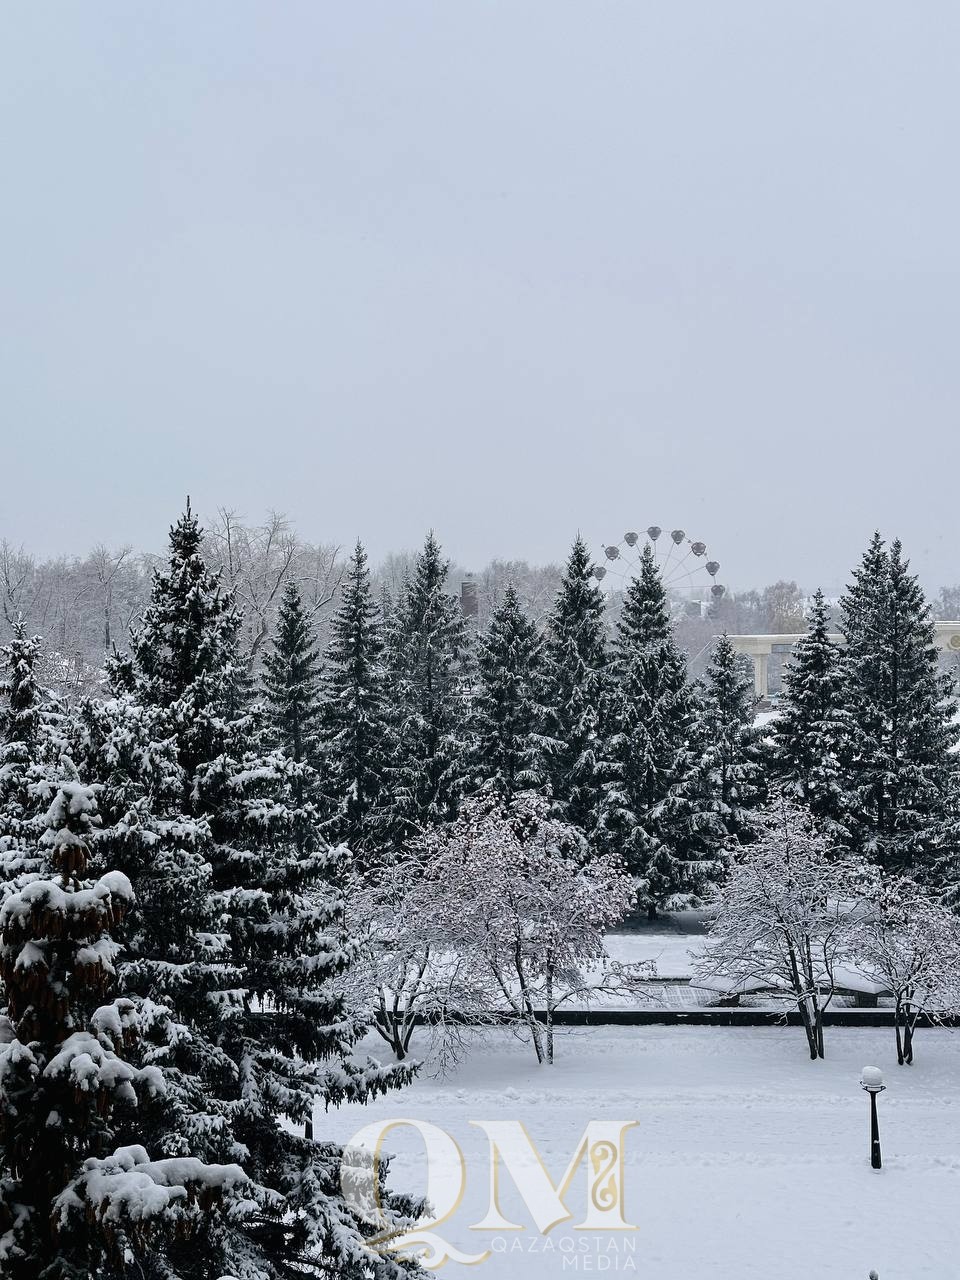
[(848, 978), (726, 986)]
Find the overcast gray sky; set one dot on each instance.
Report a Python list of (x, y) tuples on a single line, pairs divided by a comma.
[(508, 269)]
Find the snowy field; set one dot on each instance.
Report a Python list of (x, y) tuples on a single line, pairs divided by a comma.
[(672, 952), (748, 1161)]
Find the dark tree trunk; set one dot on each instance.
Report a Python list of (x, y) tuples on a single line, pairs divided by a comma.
[(908, 1041), (809, 1029)]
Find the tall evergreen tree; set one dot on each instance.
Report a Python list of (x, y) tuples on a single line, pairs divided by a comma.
[(177, 967), (149, 748), (863, 605), (24, 747), (253, 965), (575, 694), (428, 656), (185, 652), (20, 713), (900, 773), (812, 727), (730, 743), (292, 706), (68, 1208), (292, 1039), (356, 724), (507, 747), (658, 811), (291, 680)]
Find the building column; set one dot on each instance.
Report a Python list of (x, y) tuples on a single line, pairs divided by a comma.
[(760, 662)]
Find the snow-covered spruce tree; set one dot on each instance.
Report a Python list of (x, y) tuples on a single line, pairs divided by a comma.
[(731, 759), (176, 965), (25, 747), (900, 775), (575, 695), (292, 1039), (427, 646), (356, 724), (812, 728), (507, 751), (292, 709), (862, 605), (185, 653), (73, 1204), (253, 968), (143, 747), (291, 682), (659, 811)]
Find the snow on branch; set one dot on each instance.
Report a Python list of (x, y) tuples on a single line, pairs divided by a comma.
[(129, 1194)]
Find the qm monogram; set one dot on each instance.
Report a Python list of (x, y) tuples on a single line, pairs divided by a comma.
[(510, 1149)]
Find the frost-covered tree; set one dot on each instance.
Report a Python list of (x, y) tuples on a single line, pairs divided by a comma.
[(731, 760), (411, 973), (786, 917), (781, 604), (149, 748), (911, 944), (80, 605), (575, 695), (659, 809), (72, 1202), (507, 886), (357, 726), (536, 587), (256, 561), (507, 714), (812, 728), (900, 772), (427, 652), (497, 916)]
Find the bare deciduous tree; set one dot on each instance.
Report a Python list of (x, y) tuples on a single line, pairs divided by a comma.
[(496, 916), (912, 945), (17, 582), (787, 917), (258, 560)]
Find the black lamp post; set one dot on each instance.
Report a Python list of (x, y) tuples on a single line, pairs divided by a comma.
[(871, 1080)]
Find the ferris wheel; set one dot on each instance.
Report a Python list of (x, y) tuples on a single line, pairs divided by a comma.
[(685, 566)]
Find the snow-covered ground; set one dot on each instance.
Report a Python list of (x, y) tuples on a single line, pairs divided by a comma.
[(672, 952), (748, 1162)]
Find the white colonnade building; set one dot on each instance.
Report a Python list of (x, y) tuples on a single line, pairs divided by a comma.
[(759, 648)]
